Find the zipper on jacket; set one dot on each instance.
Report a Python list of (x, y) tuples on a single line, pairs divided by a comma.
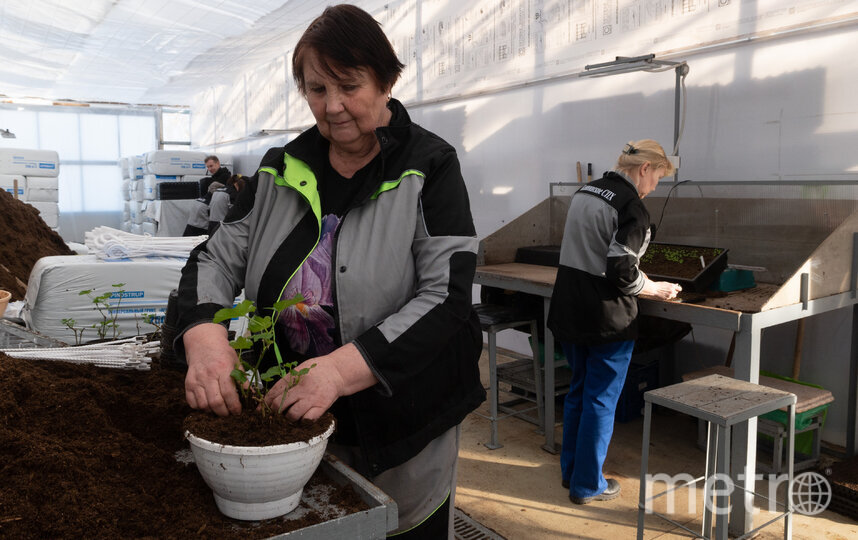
[(315, 208)]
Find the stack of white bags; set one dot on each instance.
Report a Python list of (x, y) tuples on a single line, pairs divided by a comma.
[(108, 243), (31, 176)]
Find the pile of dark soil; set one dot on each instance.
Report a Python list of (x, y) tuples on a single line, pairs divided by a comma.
[(89, 452), (26, 238)]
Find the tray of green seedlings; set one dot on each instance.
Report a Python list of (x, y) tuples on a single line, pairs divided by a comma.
[(693, 267)]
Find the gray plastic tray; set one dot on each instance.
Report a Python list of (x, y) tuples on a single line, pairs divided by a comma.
[(376, 522), (13, 336)]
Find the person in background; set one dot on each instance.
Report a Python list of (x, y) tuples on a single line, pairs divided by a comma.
[(217, 173), (207, 213), (366, 216), (594, 308), (222, 200)]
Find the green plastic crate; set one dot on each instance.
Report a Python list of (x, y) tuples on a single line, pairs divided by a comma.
[(803, 441)]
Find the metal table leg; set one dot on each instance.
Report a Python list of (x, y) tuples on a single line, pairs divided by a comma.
[(723, 468), (644, 467), (708, 503), (746, 362), (493, 391), (548, 388)]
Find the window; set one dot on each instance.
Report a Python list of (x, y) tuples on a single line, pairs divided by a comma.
[(176, 129), (89, 143)]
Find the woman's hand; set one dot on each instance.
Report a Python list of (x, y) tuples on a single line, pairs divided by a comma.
[(208, 384), (663, 290), (340, 373)]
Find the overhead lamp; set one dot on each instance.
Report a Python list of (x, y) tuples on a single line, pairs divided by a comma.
[(6, 134), (628, 64), (648, 62), (269, 132)]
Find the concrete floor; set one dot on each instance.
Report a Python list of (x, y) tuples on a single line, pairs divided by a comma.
[(516, 491)]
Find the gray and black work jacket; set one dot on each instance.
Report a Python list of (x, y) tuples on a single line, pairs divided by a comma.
[(403, 264), (607, 232)]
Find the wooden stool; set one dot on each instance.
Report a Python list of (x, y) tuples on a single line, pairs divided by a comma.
[(493, 319), (721, 401)]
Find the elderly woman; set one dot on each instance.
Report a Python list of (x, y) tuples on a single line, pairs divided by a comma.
[(594, 308), (365, 215)]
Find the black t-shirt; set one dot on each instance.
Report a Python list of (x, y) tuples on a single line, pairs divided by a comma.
[(337, 192)]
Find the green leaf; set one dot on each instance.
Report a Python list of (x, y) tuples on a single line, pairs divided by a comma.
[(240, 310), (283, 304), (238, 376), (117, 285), (241, 343), (273, 371), (81, 293), (259, 324), (277, 354)]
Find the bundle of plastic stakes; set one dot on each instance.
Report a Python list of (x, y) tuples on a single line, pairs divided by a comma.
[(130, 353), (111, 244)]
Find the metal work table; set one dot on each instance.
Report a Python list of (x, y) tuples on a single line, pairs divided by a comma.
[(748, 326), (539, 281), (800, 239)]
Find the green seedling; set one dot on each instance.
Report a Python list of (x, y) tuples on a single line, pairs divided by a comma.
[(150, 319), (252, 385), (78, 331), (108, 313)]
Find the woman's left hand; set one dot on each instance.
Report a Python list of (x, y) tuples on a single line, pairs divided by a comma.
[(340, 373)]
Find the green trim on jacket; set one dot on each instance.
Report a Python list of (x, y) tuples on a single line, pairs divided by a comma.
[(297, 175), (387, 185)]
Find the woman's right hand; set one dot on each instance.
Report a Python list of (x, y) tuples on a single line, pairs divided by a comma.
[(663, 290), (208, 384)]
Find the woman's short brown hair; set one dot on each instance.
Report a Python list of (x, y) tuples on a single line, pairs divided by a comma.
[(346, 37)]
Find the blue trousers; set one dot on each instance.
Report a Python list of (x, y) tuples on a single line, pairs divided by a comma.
[(598, 374)]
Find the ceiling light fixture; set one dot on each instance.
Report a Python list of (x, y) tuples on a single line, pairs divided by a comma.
[(6, 134)]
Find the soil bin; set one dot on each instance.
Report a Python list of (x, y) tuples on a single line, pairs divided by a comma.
[(843, 478), (682, 264), (90, 452)]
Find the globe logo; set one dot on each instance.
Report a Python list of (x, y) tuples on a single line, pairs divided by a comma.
[(810, 493)]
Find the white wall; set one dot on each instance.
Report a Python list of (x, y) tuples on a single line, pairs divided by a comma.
[(759, 109)]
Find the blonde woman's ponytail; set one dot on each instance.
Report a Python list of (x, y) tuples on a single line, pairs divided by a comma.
[(636, 153)]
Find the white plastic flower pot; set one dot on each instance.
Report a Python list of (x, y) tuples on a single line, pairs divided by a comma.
[(258, 482), (4, 301)]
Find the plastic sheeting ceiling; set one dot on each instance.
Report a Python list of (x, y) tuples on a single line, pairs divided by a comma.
[(140, 51)]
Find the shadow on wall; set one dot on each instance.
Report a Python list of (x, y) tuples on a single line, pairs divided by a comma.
[(751, 130)]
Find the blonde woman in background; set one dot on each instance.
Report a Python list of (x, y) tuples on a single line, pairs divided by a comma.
[(594, 308)]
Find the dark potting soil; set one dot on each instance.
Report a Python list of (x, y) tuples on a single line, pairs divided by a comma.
[(89, 452), (682, 262), (26, 238), (845, 474), (254, 429)]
